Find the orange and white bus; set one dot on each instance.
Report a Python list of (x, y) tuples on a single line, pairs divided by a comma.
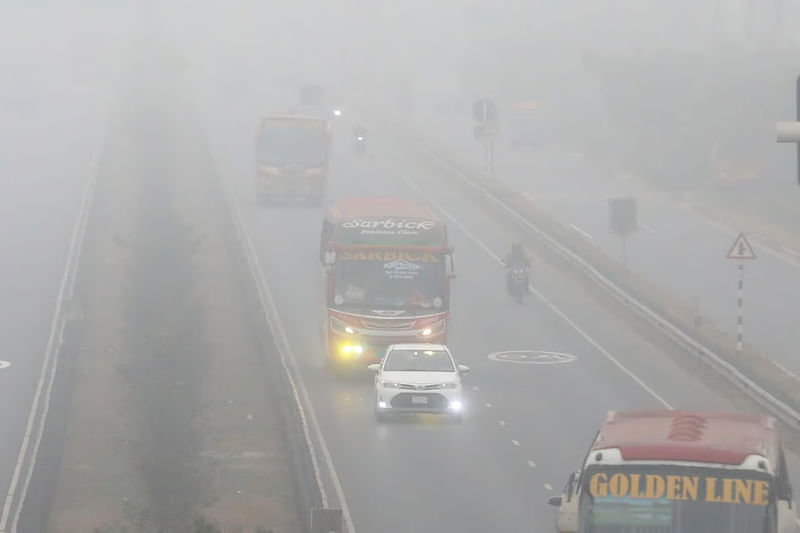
[(387, 268), (680, 472), (291, 156)]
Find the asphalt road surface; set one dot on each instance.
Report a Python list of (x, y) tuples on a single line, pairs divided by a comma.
[(682, 251), (526, 426)]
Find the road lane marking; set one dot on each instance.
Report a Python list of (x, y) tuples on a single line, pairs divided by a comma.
[(489, 405), (515, 442), (532, 357), (502, 422), (533, 289), (288, 361), (532, 464), (648, 228), (475, 388), (548, 486), (582, 233), (4, 364), (32, 438)]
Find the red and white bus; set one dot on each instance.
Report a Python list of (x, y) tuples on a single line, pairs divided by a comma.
[(387, 268), (680, 472)]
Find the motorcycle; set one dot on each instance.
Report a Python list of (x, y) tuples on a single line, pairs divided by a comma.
[(518, 283), (360, 144)]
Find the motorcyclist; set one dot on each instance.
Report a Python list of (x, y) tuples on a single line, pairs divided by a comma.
[(517, 257), (360, 131)]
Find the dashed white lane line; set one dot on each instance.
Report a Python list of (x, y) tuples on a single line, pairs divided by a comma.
[(515, 442), (470, 235), (649, 229), (532, 464), (489, 405), (475, 388), (502, 422), (548, 486)]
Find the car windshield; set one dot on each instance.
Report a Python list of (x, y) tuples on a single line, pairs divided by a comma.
[(291, 144), (636, 500), (413, 281), (418, 361)]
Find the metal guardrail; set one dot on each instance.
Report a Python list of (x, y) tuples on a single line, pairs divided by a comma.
[(768, 401)]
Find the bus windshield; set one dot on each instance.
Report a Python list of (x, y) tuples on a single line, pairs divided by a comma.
[(389, 279), (675, 500), (292, 143)]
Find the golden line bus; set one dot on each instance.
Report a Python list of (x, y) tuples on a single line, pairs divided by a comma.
[(680, 471)]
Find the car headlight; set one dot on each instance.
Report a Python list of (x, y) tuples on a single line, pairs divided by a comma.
[(390, 385), (451, 386), (340, 327)]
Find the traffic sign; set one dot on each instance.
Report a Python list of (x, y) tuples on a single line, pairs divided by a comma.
[(484, 111), (481, 131), (741, 249)]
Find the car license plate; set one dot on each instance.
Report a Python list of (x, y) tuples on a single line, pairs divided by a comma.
[(419, 400)]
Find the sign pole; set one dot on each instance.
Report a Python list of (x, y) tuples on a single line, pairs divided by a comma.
[(491, 155), (740, 251), (486, 156), (625, 250), (740, 309)]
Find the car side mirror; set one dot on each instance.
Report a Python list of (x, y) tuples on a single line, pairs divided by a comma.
[(555, 501), (375, 367), (463, 369)]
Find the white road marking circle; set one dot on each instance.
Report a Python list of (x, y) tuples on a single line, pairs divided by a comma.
[(4, 364), (532, 357)]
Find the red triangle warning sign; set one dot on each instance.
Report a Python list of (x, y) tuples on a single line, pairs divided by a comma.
[(741, 249)]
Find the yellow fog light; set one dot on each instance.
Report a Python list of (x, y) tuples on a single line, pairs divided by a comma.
[(348, 349)]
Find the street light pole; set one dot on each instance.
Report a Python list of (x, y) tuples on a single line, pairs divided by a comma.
[(789, 132)]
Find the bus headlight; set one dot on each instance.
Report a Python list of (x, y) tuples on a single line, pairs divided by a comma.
[(341, 328), (269, 171), (432, 329)]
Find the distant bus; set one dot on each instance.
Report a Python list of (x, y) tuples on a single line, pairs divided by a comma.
[(387, 267), (291, 156), (680, 472)]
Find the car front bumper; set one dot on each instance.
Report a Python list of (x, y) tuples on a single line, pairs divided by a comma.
[(441, 401)]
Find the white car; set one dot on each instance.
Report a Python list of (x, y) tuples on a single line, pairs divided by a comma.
[(418, 378)]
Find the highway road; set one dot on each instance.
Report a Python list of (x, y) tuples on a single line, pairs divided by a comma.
[(527, 425), (681, 250), (53, 116)]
